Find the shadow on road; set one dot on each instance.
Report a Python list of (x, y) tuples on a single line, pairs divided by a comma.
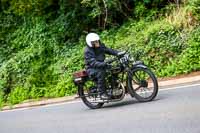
[(126, 103)]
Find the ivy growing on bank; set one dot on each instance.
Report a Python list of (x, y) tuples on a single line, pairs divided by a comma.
[(42, 42)]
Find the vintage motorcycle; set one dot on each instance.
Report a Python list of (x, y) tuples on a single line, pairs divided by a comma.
[(127, 76)]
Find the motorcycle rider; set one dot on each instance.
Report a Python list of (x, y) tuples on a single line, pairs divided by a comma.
[(94, 55)]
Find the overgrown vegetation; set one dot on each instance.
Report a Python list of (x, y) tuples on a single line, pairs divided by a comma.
[(41, 42)]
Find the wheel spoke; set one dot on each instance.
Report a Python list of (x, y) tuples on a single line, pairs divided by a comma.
[(89, 95), (137, 78), (143, 84), (137, 88)]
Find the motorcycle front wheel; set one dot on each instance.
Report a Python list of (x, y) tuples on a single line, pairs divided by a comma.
[(89, 96), (142, 84)]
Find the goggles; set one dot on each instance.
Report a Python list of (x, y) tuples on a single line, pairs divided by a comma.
[(95, 42)]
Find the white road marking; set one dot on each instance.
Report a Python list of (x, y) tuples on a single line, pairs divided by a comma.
[(173, 88), (78, 101)]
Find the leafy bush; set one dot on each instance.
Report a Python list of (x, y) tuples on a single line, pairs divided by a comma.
[(161, 43), (1, 98), (41, 48), (194, 6), (8, 24), (18, 94), (189, 59)]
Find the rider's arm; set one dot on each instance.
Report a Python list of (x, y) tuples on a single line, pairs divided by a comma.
[(109, 50)]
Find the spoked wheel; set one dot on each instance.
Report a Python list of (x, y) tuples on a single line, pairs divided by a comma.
[(89, 95), (142, 84)]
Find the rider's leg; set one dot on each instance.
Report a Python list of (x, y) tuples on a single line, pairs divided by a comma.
[(101, 84), (99, 77), (101, 81)]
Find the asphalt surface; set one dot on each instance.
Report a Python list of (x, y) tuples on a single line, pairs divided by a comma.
[(175, 110)]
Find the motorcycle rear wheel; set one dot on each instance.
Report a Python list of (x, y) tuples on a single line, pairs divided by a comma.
[(83, 93)]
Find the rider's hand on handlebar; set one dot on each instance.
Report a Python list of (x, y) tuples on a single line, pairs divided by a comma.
[(120, 54)]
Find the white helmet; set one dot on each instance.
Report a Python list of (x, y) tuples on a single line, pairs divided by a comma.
[(92, 37)]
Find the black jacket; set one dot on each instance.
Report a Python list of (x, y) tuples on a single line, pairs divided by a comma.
[(94, 57)]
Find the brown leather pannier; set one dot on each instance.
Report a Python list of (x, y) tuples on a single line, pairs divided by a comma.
[(80, 74)]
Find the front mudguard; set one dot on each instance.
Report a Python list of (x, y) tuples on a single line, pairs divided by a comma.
[(135, 65), (138, 64)]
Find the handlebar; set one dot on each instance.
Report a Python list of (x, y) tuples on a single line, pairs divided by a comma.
[(122, 54), (111, 60)]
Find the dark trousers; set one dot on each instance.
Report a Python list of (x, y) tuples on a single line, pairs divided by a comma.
[(99, 76)]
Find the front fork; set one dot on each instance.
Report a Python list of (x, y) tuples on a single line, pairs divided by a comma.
[(129, 72)]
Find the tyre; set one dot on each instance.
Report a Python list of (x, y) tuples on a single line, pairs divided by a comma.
[(89, 95), (142, 84)]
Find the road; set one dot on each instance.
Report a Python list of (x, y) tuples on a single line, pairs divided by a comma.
[(175, 110)]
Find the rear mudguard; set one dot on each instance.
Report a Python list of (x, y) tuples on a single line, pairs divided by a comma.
[(79, 86)]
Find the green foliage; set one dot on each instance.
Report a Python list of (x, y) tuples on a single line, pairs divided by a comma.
[(194, 6), (164, 43), (39, 63), (29, 52), (27, 7), (189, 59), (166, 49), (42, 42), (1, 98), (8, 24), (18, 94)]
